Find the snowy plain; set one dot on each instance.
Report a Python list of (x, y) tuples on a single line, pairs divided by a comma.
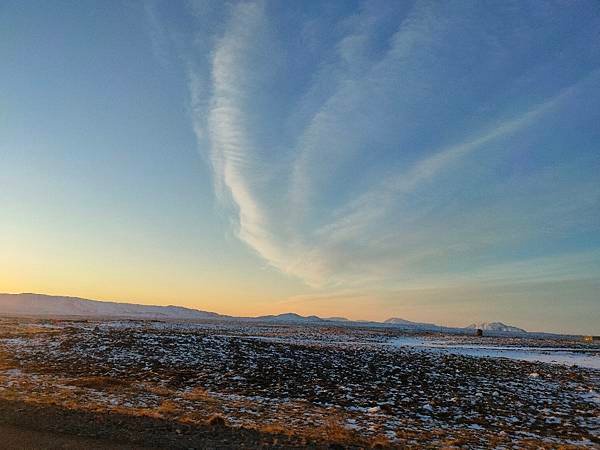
[(569, 356), (406, 388)]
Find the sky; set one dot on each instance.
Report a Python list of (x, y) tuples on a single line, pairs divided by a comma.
[(431, 160)]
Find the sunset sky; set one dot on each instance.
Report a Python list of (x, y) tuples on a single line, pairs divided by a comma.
[(436, 161)]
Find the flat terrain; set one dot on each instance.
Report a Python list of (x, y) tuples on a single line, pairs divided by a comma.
[(24, 438), (219, 385)]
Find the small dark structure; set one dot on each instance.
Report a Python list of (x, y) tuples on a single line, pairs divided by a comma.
[(479, 332), (591, 339)]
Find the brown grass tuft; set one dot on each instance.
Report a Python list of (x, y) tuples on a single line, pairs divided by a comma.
[(216, 421), (98, 383), (197, 394), (157, 389), (381, 442), (274, 429), (168, 407)]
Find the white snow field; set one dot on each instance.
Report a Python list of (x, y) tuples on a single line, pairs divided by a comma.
[(569, 356)]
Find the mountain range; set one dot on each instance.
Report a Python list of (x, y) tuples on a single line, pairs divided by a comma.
[(28, 304), (49, 305)]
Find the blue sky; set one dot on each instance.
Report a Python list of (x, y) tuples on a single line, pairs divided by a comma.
[(432, 160)]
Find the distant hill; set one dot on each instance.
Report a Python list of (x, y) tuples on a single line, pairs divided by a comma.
[(495, 326), (288, 317), (48, 305), (397, 321)]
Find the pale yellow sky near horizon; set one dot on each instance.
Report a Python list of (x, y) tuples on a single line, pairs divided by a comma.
[(439, 306)]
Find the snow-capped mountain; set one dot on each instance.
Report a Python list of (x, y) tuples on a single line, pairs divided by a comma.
[(48, 305), (496, 326)]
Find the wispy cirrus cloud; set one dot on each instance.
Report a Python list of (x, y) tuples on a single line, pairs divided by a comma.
[(371, 148), (234, 153)]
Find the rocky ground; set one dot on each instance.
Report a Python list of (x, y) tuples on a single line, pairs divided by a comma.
[(245, 385)]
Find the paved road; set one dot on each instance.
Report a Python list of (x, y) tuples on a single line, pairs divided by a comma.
[(15, 438)]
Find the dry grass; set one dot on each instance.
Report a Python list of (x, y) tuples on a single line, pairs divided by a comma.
[(7, 361), (381, 442), (99, 383), (168, 407), (274, 428), (334, 430), (216, 420), (197, 394), (157, 389)]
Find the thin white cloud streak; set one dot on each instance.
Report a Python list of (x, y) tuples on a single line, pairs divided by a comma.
[(356, 217), (579, 266), (237, 166), (328, 129), (231, 145), (156, 32)]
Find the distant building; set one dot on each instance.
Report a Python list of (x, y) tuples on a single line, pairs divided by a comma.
[(479, 332), (591, 339)]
